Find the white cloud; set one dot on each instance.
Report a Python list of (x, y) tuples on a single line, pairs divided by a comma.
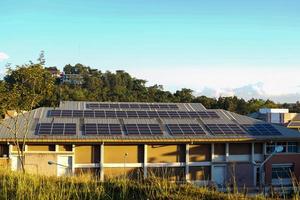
[(3, 56), (278, 84)]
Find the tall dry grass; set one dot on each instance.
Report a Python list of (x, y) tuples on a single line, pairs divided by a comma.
[(15, 185)]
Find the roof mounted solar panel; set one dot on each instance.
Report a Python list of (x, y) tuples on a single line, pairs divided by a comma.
[(56, 129), (145, 106), (225, 129), (261, 129), (102, 129), (131, 114), (185, 129), (143, 129)]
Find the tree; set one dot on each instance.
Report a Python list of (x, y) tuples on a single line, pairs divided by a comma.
[(184, 95), (25, 88)]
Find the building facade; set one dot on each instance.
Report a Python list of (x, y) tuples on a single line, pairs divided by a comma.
[(179, 142)]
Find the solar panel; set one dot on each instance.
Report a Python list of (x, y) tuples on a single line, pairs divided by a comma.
[(261, 129), (143, 129), (56, 129), (185, 129), (132, 114), (131, 106), (225, 129), (102, 129)]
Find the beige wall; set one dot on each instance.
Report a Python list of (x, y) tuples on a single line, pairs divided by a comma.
[(38, 164), (116, 153), (36, 147), (166, 153), (219, 149), (240, 149), (4, 163), (258, 148), (169, 173), (85, 154), (199, 173), (120, 172), (240, 174), (200, 153)]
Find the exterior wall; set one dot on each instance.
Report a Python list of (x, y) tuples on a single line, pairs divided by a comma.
[(169, 173), (258, 148), (36, 147), (38, 164), (4, 163), (132, 173), (88, 172), (200, 153), (160, 153), (219, 149), (85, 154), (240, 149), (283, 159), (199, 173), (116, 153), (240, 174)]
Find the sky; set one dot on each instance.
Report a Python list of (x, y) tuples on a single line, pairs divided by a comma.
[(217, 48)]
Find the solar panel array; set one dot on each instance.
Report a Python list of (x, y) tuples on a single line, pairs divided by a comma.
[(143, 129), (56, 129), (131, 106), (102, 129), (261, 129), (185, 129), (132, 114), (225, 129)]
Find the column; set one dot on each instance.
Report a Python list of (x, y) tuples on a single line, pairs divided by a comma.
[(226, 152), (212, 160), (102, 162), (73, 158), (145, 161), (187, 160)]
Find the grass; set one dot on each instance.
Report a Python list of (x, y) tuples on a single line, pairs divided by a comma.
[(15, 185)]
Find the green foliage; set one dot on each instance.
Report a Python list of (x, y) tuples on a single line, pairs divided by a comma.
[(32, 85)]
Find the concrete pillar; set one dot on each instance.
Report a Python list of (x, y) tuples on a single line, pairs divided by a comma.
[(10, 148), (252, 152), (56, 148), (265, 148), (212, 160), (73, 158), (187, 160), (102, 162), (226, 152), (145, 161), (252, 160)]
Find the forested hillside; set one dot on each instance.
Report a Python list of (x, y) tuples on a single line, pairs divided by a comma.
[(35, 81)]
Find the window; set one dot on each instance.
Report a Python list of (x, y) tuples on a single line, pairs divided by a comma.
[(283, 144), (292, 147), (282, 171)]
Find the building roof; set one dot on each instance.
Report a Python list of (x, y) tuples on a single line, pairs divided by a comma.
[(177, 122)]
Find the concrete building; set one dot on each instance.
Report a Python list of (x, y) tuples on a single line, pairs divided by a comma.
[(181, 142), (279, 116)]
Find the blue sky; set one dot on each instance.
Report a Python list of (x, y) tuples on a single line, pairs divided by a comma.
[(246, 48)]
